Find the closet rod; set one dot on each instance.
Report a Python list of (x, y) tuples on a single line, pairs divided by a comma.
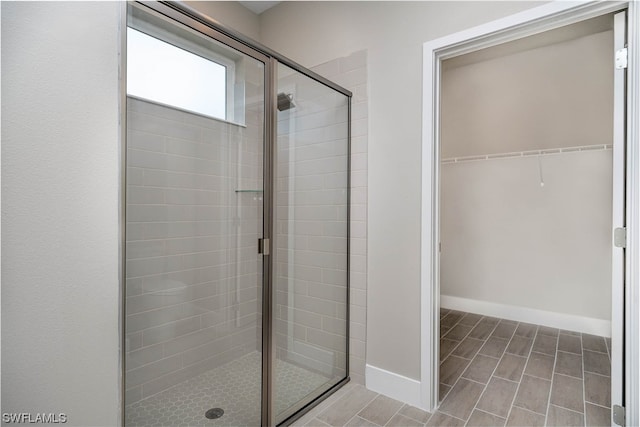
[(527, 153)]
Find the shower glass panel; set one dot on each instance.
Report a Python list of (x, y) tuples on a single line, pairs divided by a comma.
[(311, 241), (194, 213)]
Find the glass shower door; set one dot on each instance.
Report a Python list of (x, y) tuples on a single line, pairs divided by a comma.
[(311, 241), (194, 213)]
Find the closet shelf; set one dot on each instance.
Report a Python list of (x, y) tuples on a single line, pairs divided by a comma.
[(527, 153)]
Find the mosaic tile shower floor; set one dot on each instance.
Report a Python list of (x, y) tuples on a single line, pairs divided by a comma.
[(234, 387)]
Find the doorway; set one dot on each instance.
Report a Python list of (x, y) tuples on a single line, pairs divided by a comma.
[(525, 220), (435, 53)]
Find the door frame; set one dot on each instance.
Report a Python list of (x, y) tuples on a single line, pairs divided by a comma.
[(549, 16)]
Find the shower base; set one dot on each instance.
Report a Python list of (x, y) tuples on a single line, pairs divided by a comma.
[(234, 387)]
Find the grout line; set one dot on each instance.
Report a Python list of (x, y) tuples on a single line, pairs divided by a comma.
[(569, 352), (595, 373), (584, 382), (474, 381), (595, 351), (445, 337), (569, 376), (505, 379), (475, 407), (363, 406), (431, 415), (533, 341), (515, 395), (448, 415), (534, 376), (553, 375), (528, 410), (350, 419), (534, 412), (396, 413), (598, 405), (567, 409), (443, 413), (471, 360), (444, 396), (490, 413), (490, 357), (464, 421), (528, 359), (458, 379)]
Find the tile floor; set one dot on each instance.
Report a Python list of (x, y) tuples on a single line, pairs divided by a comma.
[(494, 372), (234, 387)]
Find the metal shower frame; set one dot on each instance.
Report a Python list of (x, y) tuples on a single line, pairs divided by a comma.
[(183, 14)]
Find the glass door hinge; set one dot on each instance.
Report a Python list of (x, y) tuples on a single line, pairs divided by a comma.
[(263, 246)]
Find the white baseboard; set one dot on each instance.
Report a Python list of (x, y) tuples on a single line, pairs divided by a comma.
[(393, 385), (552, 319)]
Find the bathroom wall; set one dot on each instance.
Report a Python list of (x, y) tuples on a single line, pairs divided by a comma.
[(60, 197), (193, 269), (393, 34), (61, 183), (522, 244)]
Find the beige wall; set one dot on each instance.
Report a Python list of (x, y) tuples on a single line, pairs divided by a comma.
[(524, 245), (393, 34), (520, 242), (60, 197), (531, 100)]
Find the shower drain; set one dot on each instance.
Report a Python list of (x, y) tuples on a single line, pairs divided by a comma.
[(214, 413)]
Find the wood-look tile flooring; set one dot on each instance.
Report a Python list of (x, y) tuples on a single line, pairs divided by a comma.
[(494, 372), (499, 372)]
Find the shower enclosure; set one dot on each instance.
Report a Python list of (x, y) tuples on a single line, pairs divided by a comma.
[(236, 227)]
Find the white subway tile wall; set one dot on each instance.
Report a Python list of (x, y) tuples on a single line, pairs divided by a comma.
[(311, 227), (194, 276), (311, 209), (351, 73), (193, 289)]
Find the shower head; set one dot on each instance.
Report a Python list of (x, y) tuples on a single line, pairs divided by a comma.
[(285, 101)]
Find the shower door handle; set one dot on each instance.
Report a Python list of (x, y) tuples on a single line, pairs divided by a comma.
[(263, 246)]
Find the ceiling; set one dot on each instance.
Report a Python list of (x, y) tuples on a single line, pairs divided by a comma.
[(258, 7)]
